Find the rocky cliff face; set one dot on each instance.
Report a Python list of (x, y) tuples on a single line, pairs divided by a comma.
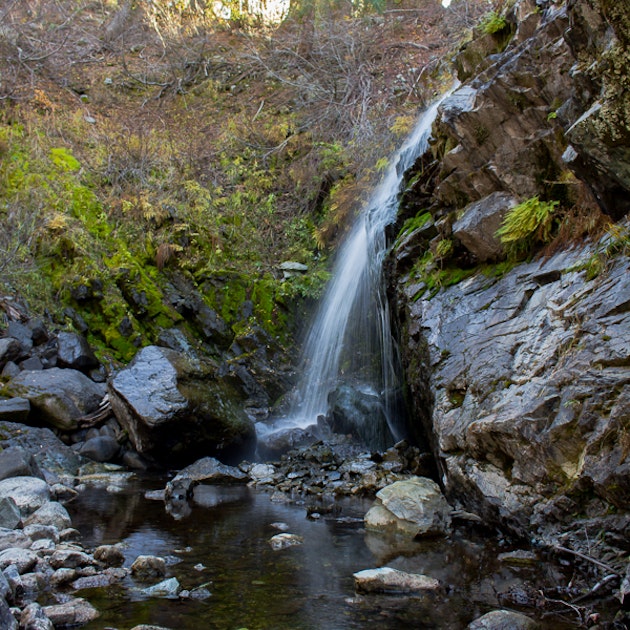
[(518, 360)]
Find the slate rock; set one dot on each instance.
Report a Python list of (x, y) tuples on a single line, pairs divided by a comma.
[(14, 409), (10, 350)]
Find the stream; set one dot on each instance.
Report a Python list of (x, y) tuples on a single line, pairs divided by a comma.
[(223, 545)]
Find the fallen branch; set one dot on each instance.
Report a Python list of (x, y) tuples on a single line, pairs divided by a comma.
[(585, 557), (609, 578)]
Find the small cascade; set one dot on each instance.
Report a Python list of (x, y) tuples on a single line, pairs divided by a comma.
[(349, 356)]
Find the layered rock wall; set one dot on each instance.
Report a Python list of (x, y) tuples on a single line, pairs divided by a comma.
[(521, 372)]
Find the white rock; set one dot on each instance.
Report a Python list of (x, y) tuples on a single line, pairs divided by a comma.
[(29, 493), (388, 580), (284, 540)]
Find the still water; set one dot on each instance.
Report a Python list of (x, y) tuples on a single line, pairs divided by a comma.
[(223, 544)]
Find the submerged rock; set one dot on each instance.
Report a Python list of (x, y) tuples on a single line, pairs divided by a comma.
[(285, 540)]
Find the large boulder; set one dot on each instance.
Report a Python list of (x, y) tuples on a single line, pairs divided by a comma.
[(58, 397), (176, 411), (412, 507)]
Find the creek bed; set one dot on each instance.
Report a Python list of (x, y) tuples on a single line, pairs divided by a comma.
[(224, 544)]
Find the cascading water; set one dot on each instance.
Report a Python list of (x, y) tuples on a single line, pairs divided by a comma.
[(349, 347)]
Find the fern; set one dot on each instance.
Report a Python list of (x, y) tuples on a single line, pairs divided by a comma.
[(528, 223)]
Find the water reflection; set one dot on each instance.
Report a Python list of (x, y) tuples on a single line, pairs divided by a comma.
[(225, 542)]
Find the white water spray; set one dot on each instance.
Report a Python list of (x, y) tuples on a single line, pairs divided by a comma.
[(350, 338)]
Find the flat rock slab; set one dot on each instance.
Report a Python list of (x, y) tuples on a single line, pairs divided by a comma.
[(388, 580)]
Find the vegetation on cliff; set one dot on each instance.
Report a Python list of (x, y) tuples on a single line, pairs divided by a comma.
[(146, 141)]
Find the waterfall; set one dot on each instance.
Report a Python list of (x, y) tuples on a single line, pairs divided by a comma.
[(350, 341)]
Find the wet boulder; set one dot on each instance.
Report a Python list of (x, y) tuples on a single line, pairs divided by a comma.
[(175, 410), (206, 470), (58, 397), (73, 351), (361, 413)]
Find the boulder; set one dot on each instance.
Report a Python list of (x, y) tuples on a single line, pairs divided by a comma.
[(58, 397), (29, 493), (7, 620), (165, 588), (73, 351), (275, 443), (109, 555), (14, 409), (503, 620), (16, 461), (412, 507), (34, 618), (51, 513), (285, 540), (148, 567), (477, 228), (388, 580), (10, 350), (75, 612), (361, 413), (206, 470), (10, 516), (14, 538), (22, 559), (51, 455), (102, 448), (175, 411)]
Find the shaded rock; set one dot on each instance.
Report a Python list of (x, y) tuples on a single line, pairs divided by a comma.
[(477, 228), (73, 351), (29, 493), (360, 412), (14, 409), (100, 580), (32, 364), (14, 538), (109, 555), (75, 612), (7, 620), (102, 448), (413, 507), (51, 513), (22, 334), (70, 559), (60, 397), (34, 618), (10, 370), (206, 470), (147, 567), (16, 461), (274, 444), (53, 457), (10, 516), (285, 540), (388, 580), (37, 531), (22, 559), (10, 350), (166, 588), (175, 411), (503, 620), (144, 626)]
